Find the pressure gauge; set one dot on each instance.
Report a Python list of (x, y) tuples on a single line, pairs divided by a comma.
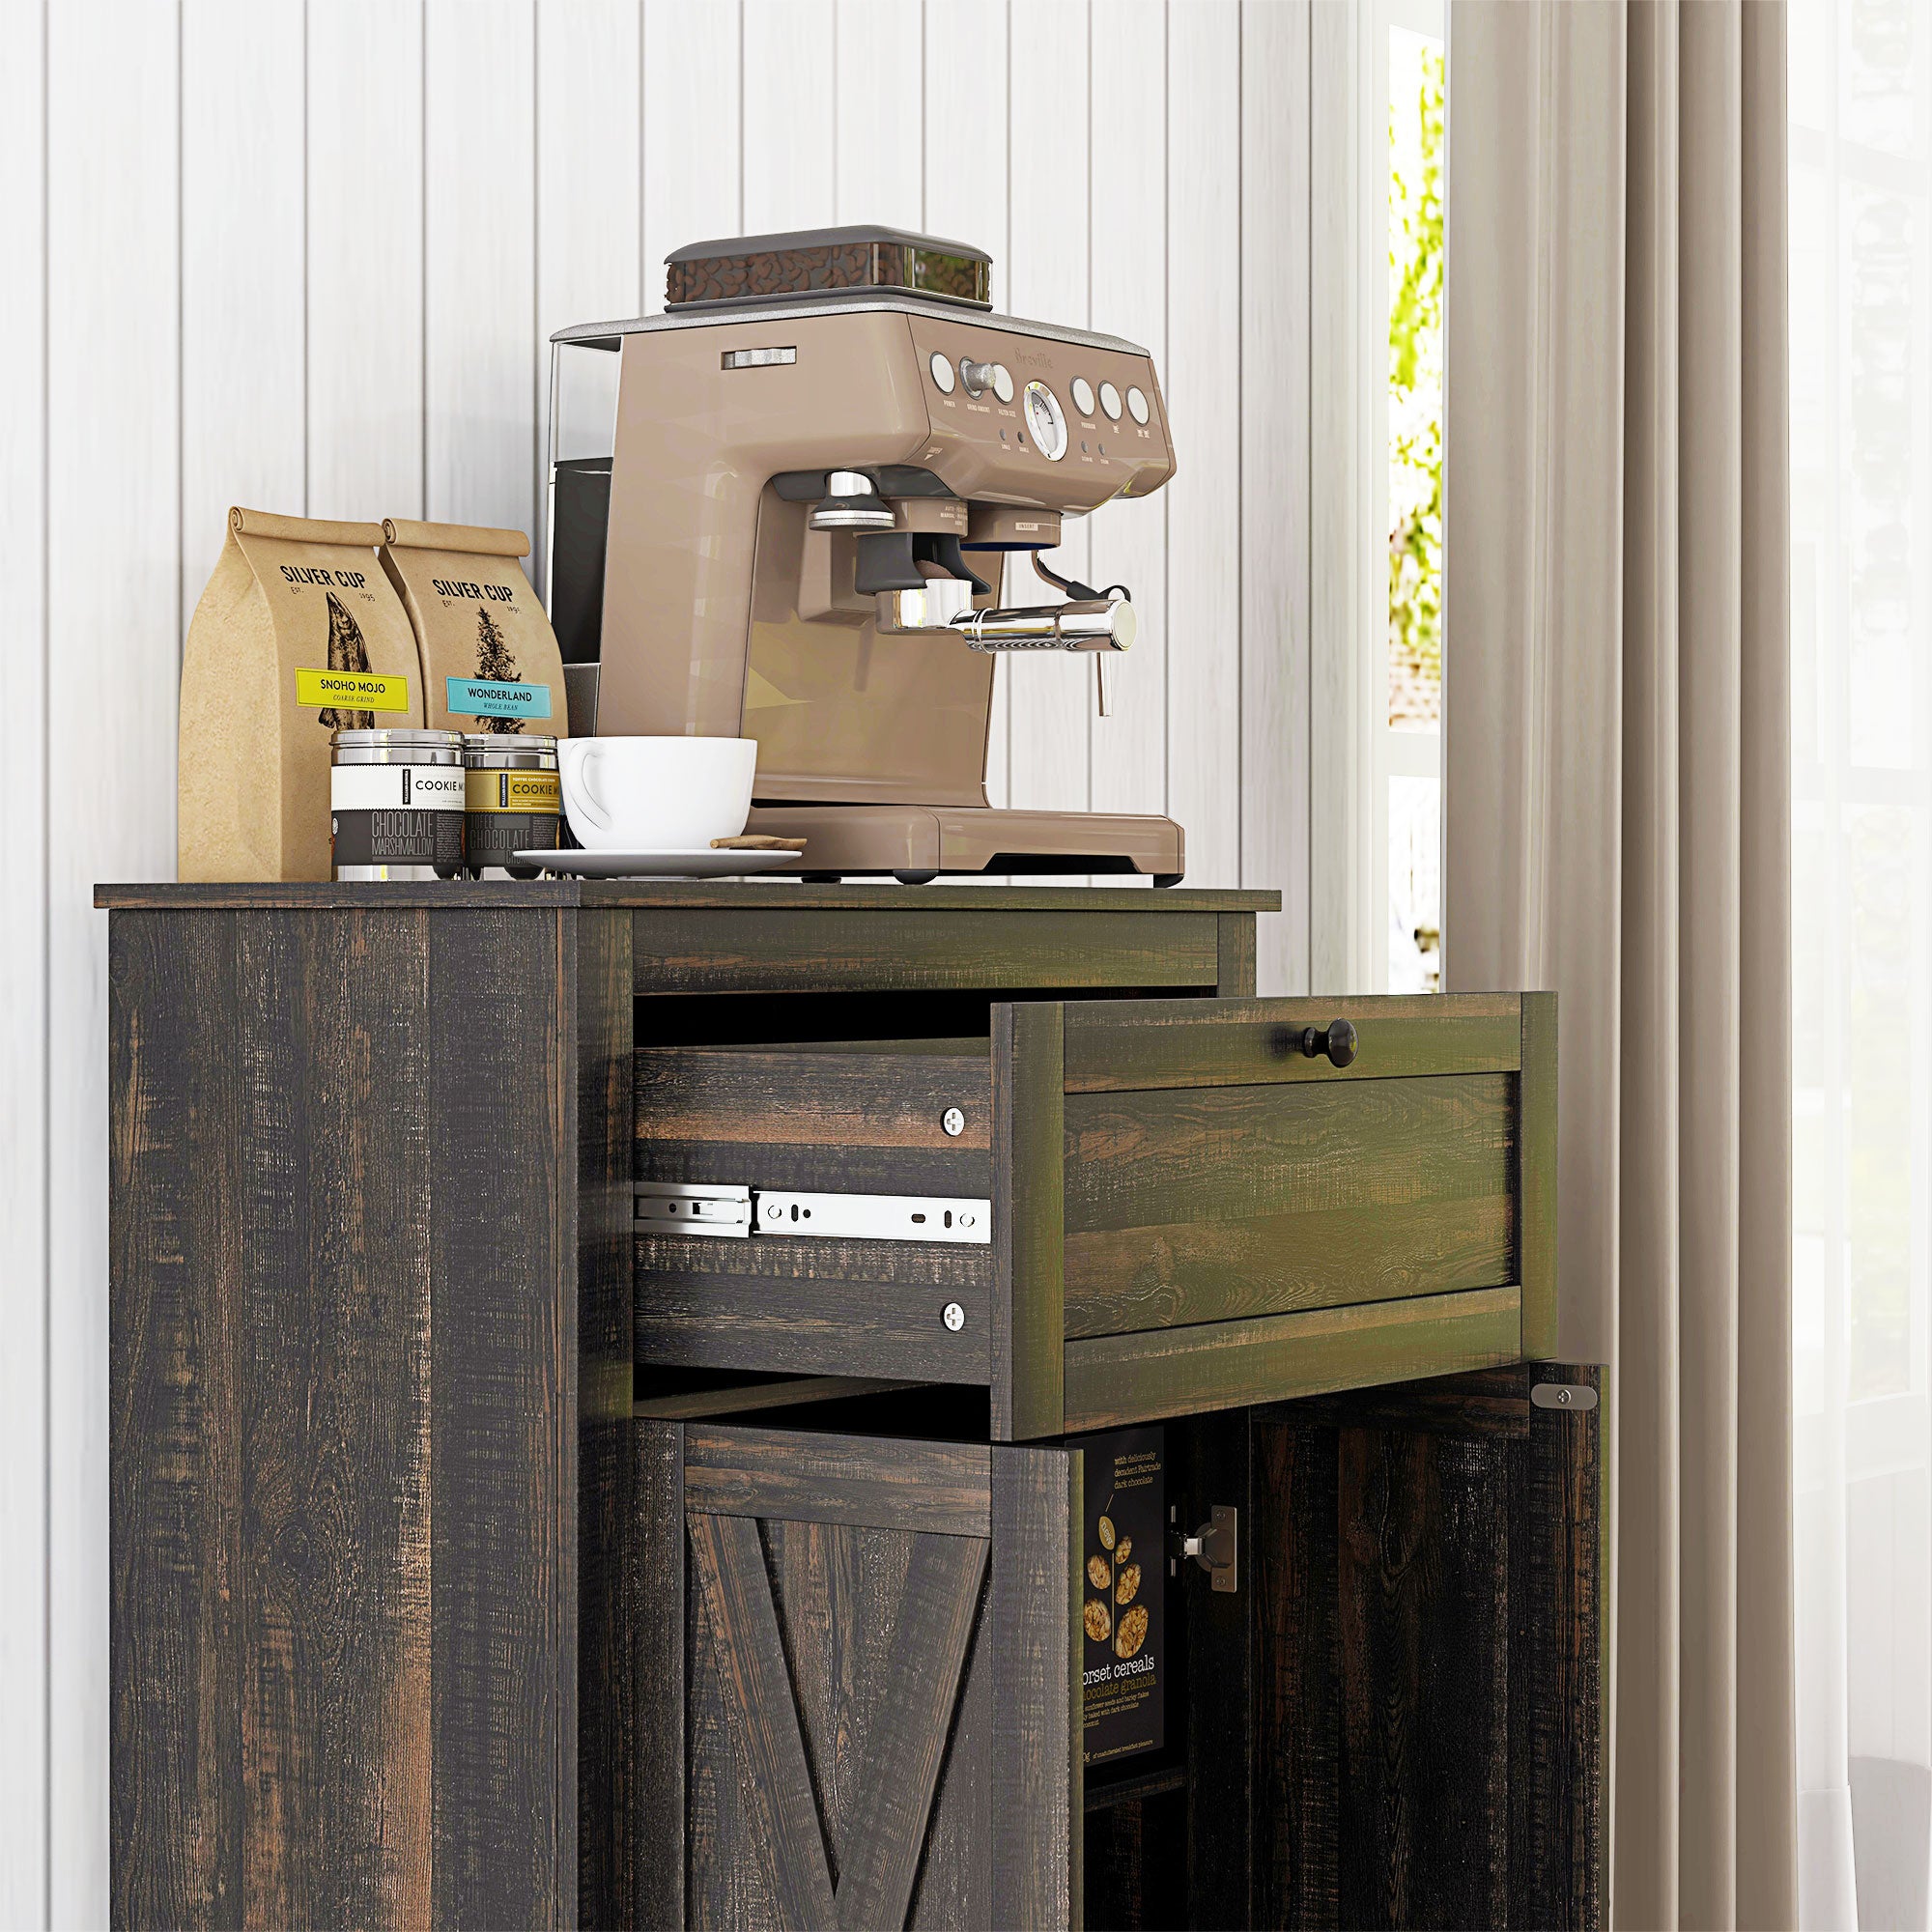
[(1044, 419)]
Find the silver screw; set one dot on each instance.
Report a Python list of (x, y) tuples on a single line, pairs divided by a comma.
[(954, 1316), (953, 1121)]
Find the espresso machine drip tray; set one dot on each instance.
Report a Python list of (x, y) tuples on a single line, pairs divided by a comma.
[(821, 262)]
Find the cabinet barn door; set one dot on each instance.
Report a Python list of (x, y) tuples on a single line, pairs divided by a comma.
[(882, 1702)]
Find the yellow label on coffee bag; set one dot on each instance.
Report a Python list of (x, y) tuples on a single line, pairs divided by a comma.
[(353, 690), (506, 790)]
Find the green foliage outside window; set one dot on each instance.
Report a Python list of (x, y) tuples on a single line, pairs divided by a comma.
[(1415, 394)]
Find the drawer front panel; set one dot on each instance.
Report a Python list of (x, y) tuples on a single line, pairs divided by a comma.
[(1125, 1044), (813, 1307), (1117, 1378), (1199, 1205)]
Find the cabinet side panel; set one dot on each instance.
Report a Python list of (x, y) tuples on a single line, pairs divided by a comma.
[(280, 1062), (1037, 1774), (503, 1285), (1234, 955), (1536, 1177), (176, 1317), (599, 993)]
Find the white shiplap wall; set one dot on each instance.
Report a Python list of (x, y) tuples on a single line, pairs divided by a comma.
[(307, 257)]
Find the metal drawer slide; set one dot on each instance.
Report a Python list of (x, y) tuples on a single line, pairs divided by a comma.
[(737, 1212)]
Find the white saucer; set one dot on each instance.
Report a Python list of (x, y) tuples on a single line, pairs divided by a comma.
[(700, 862)]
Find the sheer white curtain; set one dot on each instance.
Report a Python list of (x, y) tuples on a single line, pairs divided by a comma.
[(1860, 159)]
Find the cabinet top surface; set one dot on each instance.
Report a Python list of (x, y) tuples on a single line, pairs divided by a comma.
[(643, 893)]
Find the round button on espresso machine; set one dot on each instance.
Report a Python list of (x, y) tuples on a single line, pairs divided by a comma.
[(1110, 400), (1137, 406), (942, 372), (1083, 395)]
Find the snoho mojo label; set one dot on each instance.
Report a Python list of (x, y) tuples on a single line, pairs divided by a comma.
[(353, 690)]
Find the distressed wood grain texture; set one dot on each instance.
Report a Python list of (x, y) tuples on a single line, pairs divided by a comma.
[(939, 1488), (178, 1318), (658, 1631), (1037, 1767), (868, 1317), (1029, 1221), (1423, 1615), (1235, 979), (873, 1704), (502, 1434), (394, 1494), (1142, 1160), (907, 1744), (1114, 1379), (1537, 1176), (870, 947), (728, 1564), (596, 1011), (813, 1100), (1429, 1648), (1142, 1043), (1120, 1279), (1298, 1777), (1558, 1736)]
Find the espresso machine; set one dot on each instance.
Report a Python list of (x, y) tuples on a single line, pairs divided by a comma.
[(785, 510)]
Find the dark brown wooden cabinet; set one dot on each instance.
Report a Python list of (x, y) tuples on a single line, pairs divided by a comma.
[(487, 1552)]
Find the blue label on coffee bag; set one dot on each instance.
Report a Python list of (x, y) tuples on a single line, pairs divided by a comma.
[(497, 697)]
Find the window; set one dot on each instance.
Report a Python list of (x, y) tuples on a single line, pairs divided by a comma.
[(1378, 103), (1860, 185), (1408, 760)]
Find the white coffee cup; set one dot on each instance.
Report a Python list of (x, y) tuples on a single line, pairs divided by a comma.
[(656, 794)]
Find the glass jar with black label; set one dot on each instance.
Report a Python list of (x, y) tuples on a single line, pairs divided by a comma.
[(395, 805), (512, 801)]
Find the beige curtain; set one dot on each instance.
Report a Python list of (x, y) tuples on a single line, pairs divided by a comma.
[(1618, 828)]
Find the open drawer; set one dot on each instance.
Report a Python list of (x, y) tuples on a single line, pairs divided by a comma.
[(1133, 1209)]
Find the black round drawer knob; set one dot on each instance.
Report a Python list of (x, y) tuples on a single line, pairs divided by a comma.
[(1337, 1041)]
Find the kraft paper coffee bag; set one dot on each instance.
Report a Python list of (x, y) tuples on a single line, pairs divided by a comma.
[(298, 635), (489, 656)]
